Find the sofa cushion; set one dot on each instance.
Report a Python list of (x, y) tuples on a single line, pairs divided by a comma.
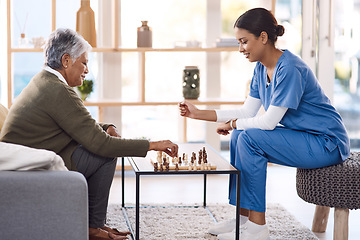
[(3, 113)]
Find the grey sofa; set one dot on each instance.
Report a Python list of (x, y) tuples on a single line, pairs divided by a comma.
[(43, 205)]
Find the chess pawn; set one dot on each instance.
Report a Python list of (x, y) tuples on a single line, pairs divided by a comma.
[(180, 160), (176, 167), (161, 167), (155, 166), (190, 167)]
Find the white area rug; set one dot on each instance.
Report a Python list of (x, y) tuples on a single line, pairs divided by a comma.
[(172, 222)]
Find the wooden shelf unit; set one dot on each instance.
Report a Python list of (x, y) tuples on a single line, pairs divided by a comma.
[(115, 42)]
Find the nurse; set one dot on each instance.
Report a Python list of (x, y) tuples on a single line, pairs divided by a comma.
[(300, 128)]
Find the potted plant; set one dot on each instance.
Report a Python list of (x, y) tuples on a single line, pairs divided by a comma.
[(86, 88)]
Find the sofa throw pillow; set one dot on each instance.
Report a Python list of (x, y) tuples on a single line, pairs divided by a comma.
[(3, 113), (18, 157)]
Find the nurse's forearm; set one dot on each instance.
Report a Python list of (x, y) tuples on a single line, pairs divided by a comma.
[(207, 115)]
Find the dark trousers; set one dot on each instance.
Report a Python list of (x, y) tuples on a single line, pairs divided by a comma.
[(99, 173)]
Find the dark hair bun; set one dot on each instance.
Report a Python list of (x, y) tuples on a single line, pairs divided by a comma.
[(280, 30)]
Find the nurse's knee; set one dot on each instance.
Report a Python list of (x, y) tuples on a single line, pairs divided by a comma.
[(250, 135), (235, 135)]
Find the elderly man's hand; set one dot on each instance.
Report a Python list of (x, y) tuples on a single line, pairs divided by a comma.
[(112, 131), (166, 146)]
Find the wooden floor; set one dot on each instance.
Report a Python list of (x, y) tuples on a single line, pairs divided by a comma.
[(189, 189)]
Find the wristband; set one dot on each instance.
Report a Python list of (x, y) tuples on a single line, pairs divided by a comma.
[(231, 124)]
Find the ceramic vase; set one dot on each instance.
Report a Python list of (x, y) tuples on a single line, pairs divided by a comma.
[(144, 35), (191, 82), (85, 22)]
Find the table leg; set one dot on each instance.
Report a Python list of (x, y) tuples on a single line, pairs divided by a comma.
[(205, 190), (137, 206), (123, 182), (237, 229)]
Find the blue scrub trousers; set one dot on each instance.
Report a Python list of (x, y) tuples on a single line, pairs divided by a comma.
[(252, 149)]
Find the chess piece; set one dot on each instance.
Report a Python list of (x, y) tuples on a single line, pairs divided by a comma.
[(176, 167), (155, 166), (159, 156), (180, 160), (205, 158)]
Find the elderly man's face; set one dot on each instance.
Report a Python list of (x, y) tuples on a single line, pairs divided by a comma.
[(76, 71)]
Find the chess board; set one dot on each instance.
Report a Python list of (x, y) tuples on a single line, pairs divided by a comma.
[(197, 162)]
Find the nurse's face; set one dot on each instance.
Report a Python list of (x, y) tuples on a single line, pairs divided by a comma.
[(249, 45)]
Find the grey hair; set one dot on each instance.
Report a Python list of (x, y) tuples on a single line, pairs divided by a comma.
[(63, 41)]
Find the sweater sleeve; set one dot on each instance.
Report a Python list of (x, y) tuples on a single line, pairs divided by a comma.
[(249, 109), (73, 117)]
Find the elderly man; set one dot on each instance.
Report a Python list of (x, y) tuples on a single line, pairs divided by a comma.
[(48, 114)]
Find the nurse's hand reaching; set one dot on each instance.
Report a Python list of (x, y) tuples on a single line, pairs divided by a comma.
[(188, 109)]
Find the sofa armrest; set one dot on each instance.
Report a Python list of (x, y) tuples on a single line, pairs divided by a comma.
[(43, 205)]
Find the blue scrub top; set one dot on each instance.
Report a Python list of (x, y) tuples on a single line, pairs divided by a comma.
[(295, 87)]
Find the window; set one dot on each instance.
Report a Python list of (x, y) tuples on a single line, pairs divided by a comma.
[(347, 60)]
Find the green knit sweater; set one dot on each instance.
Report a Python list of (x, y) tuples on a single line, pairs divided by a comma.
[(48, 114)]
